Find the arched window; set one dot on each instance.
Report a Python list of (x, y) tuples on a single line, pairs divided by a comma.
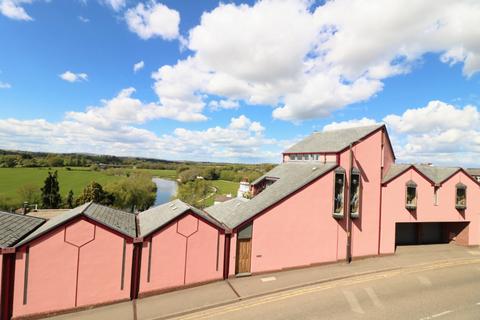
[(338, 193), (355, 196), (411, 195), (461, 196)]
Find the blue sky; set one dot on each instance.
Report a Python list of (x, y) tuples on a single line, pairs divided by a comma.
[(238, 81)]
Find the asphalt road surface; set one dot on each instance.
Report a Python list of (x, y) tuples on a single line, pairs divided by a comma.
[(448, 290)]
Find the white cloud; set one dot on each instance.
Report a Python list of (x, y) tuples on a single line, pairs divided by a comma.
[(349, 124), (223, 104), (5, 85), (116, 5), (83, 19), (13, 9), (153, 20), (439, 133), (110, 129), (138, 66), (324, 58), (73, 77)]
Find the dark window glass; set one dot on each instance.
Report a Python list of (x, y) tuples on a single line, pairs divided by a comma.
[(355, 193), (339, 186), (411, 196), (461, 198)]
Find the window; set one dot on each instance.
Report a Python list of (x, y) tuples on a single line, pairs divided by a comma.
[(435, 195), (293, 157), (305, 157), (338, 200), (461, 196), (355, 193), (411, 195), (316, 157)]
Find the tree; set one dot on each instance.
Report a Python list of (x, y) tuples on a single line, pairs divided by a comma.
[(70, 201), (194, 192), (51, 198), (29, 193), (94, 192), (134, 192)]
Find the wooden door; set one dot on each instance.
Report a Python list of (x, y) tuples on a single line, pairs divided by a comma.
[(244, 253)]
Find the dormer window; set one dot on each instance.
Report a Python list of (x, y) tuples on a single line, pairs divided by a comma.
[(411, 195), (355, 193), (461, 196), (338, 194)]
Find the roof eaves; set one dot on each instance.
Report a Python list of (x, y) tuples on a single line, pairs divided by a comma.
[(293, 191)]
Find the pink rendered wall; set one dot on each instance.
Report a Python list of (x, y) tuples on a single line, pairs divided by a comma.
[(367, 157), (183, 253), (393, 206), (388, 158), (298, 231), (52, 273)]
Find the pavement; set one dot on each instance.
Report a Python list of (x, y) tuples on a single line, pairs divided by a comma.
[(229, 297)]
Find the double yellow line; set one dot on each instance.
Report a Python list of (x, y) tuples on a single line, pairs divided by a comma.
[(241, 305)]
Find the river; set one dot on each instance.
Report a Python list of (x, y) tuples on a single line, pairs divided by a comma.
[(166, 189)]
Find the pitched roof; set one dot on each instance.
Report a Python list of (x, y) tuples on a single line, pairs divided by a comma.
[(154, 218), (291, 176), (332, 141), (14, 227), (433, 173), (473, 171), (121, 221)]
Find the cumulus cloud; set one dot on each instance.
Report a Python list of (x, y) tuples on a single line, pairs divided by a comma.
[(153, 20), (349, 124), (5, 85), (13, 9), (112, 129), (439, 133), (324, 58), (223, 104), (138, 66), (73, 77)]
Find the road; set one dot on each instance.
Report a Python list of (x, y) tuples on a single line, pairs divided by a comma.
[(448, 290)]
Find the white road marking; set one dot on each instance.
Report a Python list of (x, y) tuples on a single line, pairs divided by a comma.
[(268, 279), (475, 253), (353, 301), (442, 313), (424, 281), (437, 315), (371, 293), (478, 303)]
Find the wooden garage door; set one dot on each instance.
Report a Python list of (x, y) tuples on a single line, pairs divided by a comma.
[(431, 233), (244, 253)]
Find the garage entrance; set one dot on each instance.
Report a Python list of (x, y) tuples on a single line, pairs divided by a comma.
[(430, 233)]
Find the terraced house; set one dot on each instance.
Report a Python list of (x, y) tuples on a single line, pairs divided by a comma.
[(336, 196)]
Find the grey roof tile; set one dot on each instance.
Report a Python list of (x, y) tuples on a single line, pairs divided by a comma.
[(118, 220), (434, 173), (291, 177), (15, 227), (159, 216), (332, 141)]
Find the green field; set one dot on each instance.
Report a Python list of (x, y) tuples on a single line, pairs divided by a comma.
[(226, 187), (11, 179)]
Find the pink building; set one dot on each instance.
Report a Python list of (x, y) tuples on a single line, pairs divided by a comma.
[(182, 246), (13, 229), (339, 195), (77, 259)]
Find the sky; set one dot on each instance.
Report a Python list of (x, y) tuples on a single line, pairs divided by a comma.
[(238, 81)]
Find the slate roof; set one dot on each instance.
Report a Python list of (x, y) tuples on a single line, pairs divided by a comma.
[(291, 177), (14, 227), (121, 221), (332, 141), (154, 218), (435, 174), (473, 171)]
